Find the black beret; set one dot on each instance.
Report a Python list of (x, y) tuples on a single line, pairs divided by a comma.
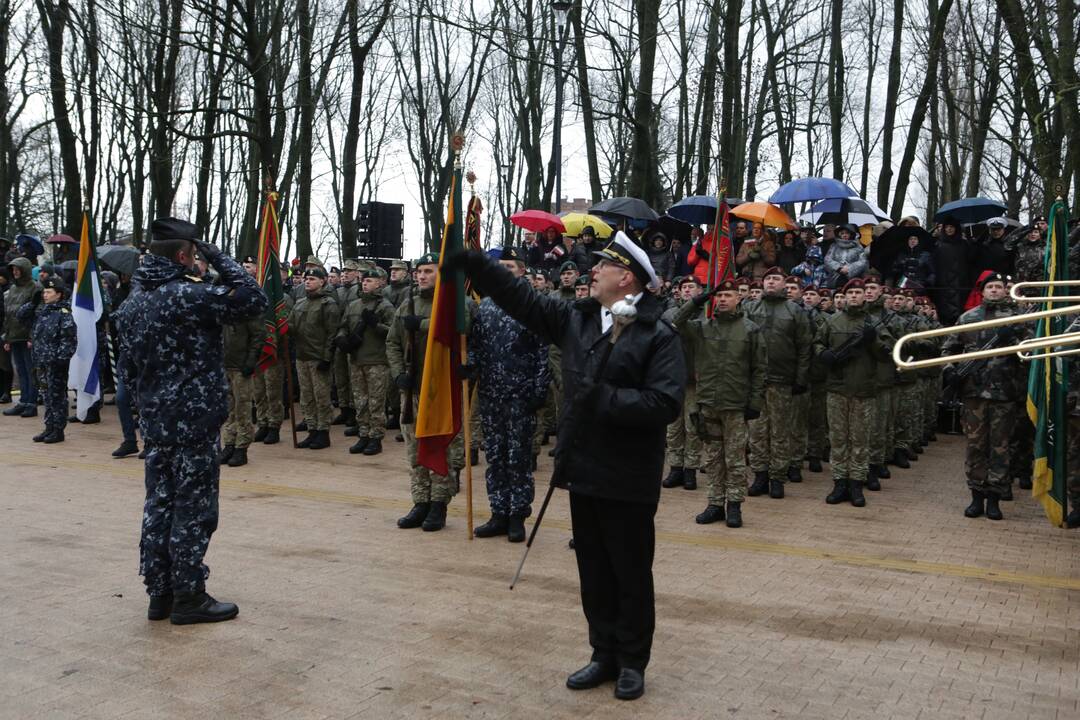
[(511, 253), (54, 283), (315, 272), (249, 259), (169, 228)]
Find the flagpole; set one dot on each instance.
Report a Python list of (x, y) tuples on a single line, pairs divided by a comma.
[(466, 416)]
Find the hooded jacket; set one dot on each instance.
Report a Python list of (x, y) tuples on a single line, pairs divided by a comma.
[(848, 252), (729, 359), (19, 292)]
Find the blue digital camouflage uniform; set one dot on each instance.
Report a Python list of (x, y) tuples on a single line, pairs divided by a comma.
[(173, 361), (53, 339), (513, 381)]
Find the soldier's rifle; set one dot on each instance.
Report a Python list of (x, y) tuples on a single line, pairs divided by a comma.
[(954, 382)]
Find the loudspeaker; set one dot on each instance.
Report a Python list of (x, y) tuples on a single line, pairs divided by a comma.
[(380, 230)]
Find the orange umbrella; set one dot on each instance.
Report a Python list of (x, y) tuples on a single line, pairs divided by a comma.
[(764, 213)]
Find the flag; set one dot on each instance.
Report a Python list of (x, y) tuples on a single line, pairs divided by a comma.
[(472, 234), (720, 256), (1048, 382), (438, 420), (269, 276), (84, 370)]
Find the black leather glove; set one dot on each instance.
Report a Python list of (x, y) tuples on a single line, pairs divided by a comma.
[(1005, 334), (751, 414), (342, 343), (323, 365), (468, 372), (868, 334), (471, 261), (247, 370), (797, 389), (403, 382), (209, 251), (368, 317), (702, 298), (358, 330), (826, 357), (411, 322), (700, 251)]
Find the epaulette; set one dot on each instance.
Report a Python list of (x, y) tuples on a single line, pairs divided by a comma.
[(193, 278), (65, 310)]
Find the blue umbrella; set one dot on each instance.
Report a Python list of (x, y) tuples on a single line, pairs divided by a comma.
[(699, 209), (970, 210), (810, 189), (29, 244)]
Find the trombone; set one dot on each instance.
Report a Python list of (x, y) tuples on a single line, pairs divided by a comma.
[(1016, 289)]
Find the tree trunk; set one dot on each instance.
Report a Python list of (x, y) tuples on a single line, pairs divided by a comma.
[(892, 93), (837, 91), (585, 98), (707, 93), (730, 90), (644, 173)]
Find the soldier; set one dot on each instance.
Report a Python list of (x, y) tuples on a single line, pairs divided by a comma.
[(1030, 256), (931, 377), (817, 430), (1072, 520), (908, 402), (313, 323), (850, 346), (361, 338), (513, 380), (990, 395), (267, 386), (16, 336), (756, 290), (878, 308), (581, 287), (800, 404), (173, 362), (743, 284), (786, 333), (344, 293), (399, 287), (243, 347), (683, 441), (53, 341), (729, 362)]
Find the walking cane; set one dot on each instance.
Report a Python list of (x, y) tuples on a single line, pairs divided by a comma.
[(623, 313)]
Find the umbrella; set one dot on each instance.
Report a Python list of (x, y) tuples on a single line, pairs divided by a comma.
[(29, 244), (764, 213), (893, 242), (699, 209), (575, 221), (123, 259), (837, 211), (537, 221), (671, 227), (625, 208), (970, 210), (62, 240), (70, 265), (809, 189)]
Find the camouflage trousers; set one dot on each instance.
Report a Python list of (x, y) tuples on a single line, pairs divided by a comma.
[(425, 485), (683, 443), (179, 516), (343, 379), (508, 432), (55, 397), (988, 426), (817, 431), (547, 417), (1022, 445), (237, 429), (368, 384), (723, 454), (266, 387), (931, 391), (908, 416), (851, 424), (1073, 461), (883, 441), (770, 434), (800, 419), (315, 403)]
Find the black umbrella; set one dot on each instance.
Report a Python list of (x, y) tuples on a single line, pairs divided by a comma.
[(670, 227), (970, 210), (625, 208), (893, 243), (123, 259)]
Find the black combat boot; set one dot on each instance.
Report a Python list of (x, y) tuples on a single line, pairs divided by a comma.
[(857, 498), (239, 457), (1006, 494), (160, 607), (794, 473), (840, 492), (497, 525), (1024, 482), (399, 438), (977, 506), (919, 448), (360, 445), (900, 458), (515, 531), (393, 422), (674, 477), (993, 510), (436, 517), (306, 442), (302, 427), (760, 486), (128, 447), (260, 434), (734, 514), (273, 436), (415, 517), (55, 436), (352, 431), (872, 482), (815, 464), (93, 415), (912, 455), (321, 441), (198, 607), (374, 446), (1072, 520), (42, 435), (713, 513), (226, 454), (883, 471), (29, 411), (776, 489), (14, 410), (689, 478), (342, 418)]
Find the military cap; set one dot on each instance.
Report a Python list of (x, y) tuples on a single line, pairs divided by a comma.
[(791, 279), (727, 286), (854, 284), (249, 259), (54, 283), (169, 228), (992, 277), (312, 260), (922, 300), (350, 265), (368, 273), (908, 292), (399, 265), (583, 281), (511, 253), (997, 222), (756, 285), (1038, 218), (568, 265), (378, 272), (315, 272), (688, 279), (811, 289), (335, 269), (431, 258), (743, 280), (624, 251), (872, 277), (773, 271), (826, 293), (888, 290)]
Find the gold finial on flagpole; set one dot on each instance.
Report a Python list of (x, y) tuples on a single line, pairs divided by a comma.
[(457, 144)]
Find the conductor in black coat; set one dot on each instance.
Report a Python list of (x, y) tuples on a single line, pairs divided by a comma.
[(610, 450)]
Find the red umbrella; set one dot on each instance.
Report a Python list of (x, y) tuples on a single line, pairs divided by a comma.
[(537, 221), (62, 240)]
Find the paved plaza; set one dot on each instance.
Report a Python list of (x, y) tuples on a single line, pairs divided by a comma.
[(904, 609)]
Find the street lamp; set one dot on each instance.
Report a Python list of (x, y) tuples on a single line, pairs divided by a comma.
[(562, 10)]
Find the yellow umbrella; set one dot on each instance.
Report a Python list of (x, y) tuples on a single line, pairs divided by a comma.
[(764, 213), (575, 221)]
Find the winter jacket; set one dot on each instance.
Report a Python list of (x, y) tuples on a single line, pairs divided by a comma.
[(244, 344), (755, 257), (398, 339), (679, 266), (700, 256), (951, 258), (729, 359), (611, 428), (906, 323), (313, 323), (396, 292), (990, 254), (19, 292), (582, 255), (845, 252), (789, 257), (786, 331), (878, 316), (914, 268), (999, 378), (856, 376), (363, 329), (661, 262), (811, 271), (54, 333)]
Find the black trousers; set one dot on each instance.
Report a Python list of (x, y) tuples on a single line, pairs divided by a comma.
[(615, 542)]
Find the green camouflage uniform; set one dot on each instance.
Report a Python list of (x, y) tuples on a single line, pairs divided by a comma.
[(267, 385), (243, 346), (817, 420), (344, 294), (313, 323), (882, 438), (369, 373), (908, 398), (683, 443)]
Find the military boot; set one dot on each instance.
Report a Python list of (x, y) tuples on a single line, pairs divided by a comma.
[(55, 436), (302, 427), (1072, 520), (713, 513), (226, 454), (794, 473), (734, 514), (128, 447), (198, 607), (160, 607), (374, 446), (674, 477), (1006, 493), (912, 455), (415, 517), (494, 527), (93, 415), (14, 410), (993, 510), (776, 489), (360, 445), (321, 441), (689, 478), (342, 418), (436, 517), (273, 436), (760, 486), (239, 457), (1024, 482), (28, 411), (900, 458), (42, 435), (840, 492), (393, 422), (977, 506), (883, 471), (515, 532), (352, 431), (260, 434), (306, 442), (857, 498), (815, 464), (872, 482)]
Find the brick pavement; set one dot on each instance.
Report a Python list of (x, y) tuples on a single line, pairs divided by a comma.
[(902, 610)]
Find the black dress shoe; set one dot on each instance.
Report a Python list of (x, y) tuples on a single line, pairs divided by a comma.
[(128, 447), (713, 513), (28, 411), (515, 530), (415, 517), (42, 435), (592, 675), (630, 685), (160, 607), (191, 608)]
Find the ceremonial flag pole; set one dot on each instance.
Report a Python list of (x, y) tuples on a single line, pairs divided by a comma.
[(720, 257), (84, 371)]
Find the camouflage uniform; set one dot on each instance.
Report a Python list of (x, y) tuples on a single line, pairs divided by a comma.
[(883, 433), (683, 442), (1029, 260), (313, 323), (908, 400), (817, 419), (513, 380), (364, 327), (172, 355), (53, 341), (243, 346)]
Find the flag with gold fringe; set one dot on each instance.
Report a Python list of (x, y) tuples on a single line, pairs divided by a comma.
[(269, 277), (87, 305), (472, 233)]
